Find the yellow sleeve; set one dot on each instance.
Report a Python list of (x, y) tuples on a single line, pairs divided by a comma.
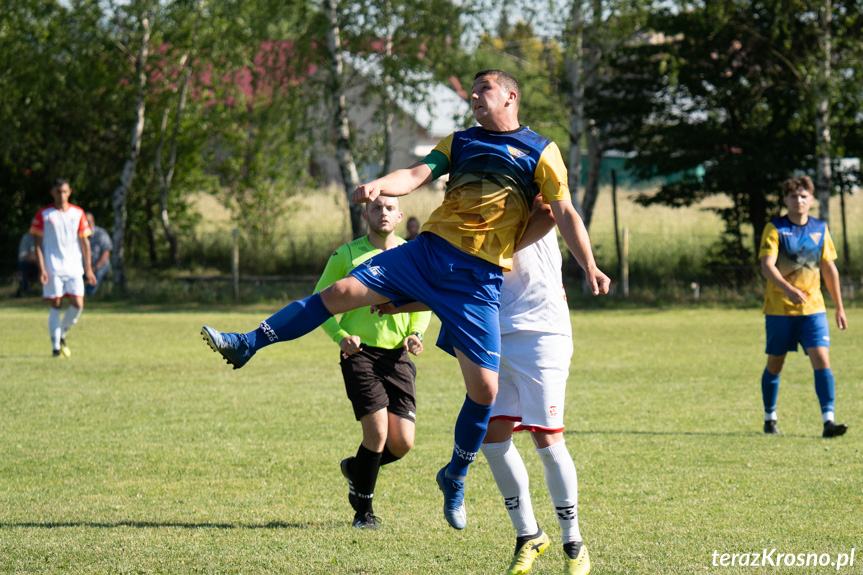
[(828, 254), (769, 241), (551, 175), (445, 146)]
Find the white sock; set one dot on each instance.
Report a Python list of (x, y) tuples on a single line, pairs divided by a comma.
[(562, 482), (769, 416), (827, 416), (510, 474), (54, 328), (70, 318)]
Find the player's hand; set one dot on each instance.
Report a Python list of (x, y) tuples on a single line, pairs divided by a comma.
[(366, 193), (43, 278), (387, 308), (599, 282), (413, 344), (841, 321), (91, 278), (350, 345), (795, 296)]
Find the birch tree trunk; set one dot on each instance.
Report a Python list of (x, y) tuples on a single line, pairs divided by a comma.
[(118, 198), (572, 67), (591, 56), (824, 176), (344, 153), (165, 178), (575, 99)]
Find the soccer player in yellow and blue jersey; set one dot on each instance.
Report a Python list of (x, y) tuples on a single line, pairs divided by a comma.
[(456, 264), (796, 251)]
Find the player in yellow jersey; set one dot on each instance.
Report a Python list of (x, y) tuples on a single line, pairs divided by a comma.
[(456, 264), (796, 251)]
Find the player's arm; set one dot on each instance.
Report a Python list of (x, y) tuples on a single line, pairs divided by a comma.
[(40, 259), (395, 184), (389, 308), (419, 322), (540, 223), (84, 241), (575, 235), (771, 272), (831, 280), (103, 259)]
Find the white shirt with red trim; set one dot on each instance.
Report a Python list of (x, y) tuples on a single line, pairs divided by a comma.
[(532, 297), (60, 231)]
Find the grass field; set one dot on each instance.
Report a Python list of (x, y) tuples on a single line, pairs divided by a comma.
[(144, 453)]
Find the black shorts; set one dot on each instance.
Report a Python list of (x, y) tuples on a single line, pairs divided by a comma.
[(378, 378)]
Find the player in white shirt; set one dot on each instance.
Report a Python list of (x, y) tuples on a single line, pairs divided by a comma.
[(63, 254), (536, 348)]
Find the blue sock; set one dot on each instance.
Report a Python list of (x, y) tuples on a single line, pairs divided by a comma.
[(292, 321), (825, 388), (769, 390), (470, 428)]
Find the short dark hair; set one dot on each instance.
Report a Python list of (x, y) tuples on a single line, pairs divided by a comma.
[(791, 186), (505, 79), (59, 182)]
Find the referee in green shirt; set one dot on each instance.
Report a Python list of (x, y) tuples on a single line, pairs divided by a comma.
[(379, 375)]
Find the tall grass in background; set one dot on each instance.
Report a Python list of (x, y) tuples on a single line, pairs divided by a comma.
[(670, 249)]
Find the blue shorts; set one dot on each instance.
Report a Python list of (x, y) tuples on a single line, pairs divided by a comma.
[(461, 289), (784, 332)]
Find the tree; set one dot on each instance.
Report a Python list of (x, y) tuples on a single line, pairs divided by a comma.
[(344, 151), (118, 198), (734, 102)]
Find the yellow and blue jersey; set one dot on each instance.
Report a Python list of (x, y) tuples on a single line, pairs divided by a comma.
[(493, 180), (799, 251)]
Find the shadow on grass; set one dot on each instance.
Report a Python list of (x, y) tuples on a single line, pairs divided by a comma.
[(159, 525), (684, 433)]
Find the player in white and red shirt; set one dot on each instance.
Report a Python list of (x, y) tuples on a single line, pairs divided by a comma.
[(63, 254), (536, 348)]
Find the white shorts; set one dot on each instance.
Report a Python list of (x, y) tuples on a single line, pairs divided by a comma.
[(534, 368), (59, 286)]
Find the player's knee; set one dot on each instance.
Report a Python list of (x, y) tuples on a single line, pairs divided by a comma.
[(400, 447)]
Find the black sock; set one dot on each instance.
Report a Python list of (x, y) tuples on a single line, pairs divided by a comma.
[(366, 466), (387, 456), (522, 539), (572, 549)]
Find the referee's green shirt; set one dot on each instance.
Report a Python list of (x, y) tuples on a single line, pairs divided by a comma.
[(387, 332)]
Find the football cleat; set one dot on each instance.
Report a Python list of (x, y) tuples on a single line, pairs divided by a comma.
[(834, 429), (56, 353), (64, 349), (770, 427), (580, 565), (526, 550), (352, 494), (234, 347), (453, 500), (366, 520)]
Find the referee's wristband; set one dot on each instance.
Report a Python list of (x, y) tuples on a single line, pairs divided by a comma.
[(418, 334)]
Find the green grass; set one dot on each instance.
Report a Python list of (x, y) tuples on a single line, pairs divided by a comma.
[(144, 453)]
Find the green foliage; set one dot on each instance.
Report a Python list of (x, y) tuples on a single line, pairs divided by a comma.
[(63, 110), (738, 100)]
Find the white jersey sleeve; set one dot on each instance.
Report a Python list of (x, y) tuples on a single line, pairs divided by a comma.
[(532, 297)]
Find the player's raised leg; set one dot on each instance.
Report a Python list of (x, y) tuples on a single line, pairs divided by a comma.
[(470, 428), (292, 321)]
